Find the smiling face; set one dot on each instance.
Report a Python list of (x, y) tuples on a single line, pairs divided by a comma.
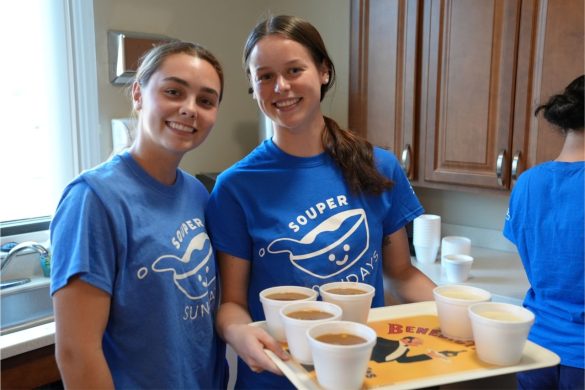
[(177, 107), (287, 83)]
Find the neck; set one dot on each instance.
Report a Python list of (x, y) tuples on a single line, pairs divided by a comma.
[(301, 143), (160, 166), (573, 148)]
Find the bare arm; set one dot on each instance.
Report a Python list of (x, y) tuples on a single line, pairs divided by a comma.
[(407, 281), (81, 315), (233, 317)]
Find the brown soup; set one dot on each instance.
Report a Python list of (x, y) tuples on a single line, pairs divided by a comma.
[(287, 296), (341, 339), (346, 291), (309, 314)]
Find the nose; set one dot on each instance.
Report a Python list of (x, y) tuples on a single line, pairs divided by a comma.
[(189, 110), (281, 84)]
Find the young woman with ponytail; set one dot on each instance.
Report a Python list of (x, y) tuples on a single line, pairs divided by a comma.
[(313, 204)]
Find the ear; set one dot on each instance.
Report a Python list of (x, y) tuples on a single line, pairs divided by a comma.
[(136, 96), (324, 72)]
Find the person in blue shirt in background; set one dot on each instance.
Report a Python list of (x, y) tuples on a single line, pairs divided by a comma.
[(313, 204), (134, 279), (545, 221)]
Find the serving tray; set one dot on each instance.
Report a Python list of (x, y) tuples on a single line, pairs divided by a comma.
[(431, 360)]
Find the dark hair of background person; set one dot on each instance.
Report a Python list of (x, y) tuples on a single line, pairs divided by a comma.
[(566, 110), (352, 153), (153, 59)]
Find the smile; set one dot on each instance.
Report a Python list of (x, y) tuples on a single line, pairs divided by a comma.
[(181, 127), (286, 103)]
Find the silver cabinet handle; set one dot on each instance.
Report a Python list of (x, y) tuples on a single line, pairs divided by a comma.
[(500, 162), (515, 163), (406, 160)]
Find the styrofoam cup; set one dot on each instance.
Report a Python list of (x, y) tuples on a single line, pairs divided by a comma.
[(356, 307), (341, 366), (426, 230), (500, 331), (452, 302), (455, 245), (272, 307), (295, 329), (426, 253), (457, 267)]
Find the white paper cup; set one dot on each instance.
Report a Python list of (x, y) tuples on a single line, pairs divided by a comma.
[(457, 267), (452, 303), (426, 230), (296, 329), (426, 254), (341, 366), (455, 245), (500, 331), (356, 307), (272, 307)]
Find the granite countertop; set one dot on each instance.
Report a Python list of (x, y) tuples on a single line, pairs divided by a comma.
[(501, 273)]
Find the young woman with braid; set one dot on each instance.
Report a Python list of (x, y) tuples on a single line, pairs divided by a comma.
[(313, 204)]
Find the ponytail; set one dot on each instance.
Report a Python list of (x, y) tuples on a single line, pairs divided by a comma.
[(355, 156)]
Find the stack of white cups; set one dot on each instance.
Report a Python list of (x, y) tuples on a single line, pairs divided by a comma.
[(426, 237)]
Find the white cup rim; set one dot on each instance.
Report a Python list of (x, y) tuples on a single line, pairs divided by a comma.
[(331, 308), (355, 327), (475, 309), (485, 295), (457, 258), (313, 293), (369, 290)]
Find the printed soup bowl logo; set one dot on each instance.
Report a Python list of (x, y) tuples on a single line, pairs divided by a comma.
[(331, 247), (191, 269)]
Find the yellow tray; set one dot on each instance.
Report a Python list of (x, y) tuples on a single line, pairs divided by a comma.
[(453, 361)]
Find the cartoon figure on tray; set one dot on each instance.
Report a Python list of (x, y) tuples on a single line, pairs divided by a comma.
[(387, 350)]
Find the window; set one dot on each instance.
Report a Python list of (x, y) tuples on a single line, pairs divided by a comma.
[(49, 131)]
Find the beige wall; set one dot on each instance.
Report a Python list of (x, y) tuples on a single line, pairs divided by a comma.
[(221, 26)]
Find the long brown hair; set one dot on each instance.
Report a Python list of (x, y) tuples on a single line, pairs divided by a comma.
[(353, 154)]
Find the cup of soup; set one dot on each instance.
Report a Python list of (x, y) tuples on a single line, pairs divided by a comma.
[(500, 331), (298, 317), (355, 299), (274, 298), (452, 302), (341, 352)]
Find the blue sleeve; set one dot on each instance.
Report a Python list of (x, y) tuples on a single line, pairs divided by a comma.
[(508, 222), (404, 206), (82, 240), (227, 222)]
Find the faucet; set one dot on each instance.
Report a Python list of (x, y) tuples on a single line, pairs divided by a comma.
[(19, 248)]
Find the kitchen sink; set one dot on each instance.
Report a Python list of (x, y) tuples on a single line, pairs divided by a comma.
[(26, 305)]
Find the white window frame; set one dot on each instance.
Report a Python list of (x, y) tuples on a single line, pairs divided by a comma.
[(83, 99)]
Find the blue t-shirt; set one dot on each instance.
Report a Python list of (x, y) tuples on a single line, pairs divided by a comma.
[(546, 221), (146, 245), (296, 221)]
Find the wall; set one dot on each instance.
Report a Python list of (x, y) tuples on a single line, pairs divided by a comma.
[(221, 26), (477, 215)]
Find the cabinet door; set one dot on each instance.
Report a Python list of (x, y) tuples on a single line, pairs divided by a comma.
[(550, 56), (383, 74), (468, 73)]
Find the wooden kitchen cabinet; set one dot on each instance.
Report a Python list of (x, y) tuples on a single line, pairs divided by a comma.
[(30, 370), (383, 52), (451, 85)]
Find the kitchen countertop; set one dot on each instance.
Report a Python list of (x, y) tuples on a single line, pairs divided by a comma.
[(501, 273)]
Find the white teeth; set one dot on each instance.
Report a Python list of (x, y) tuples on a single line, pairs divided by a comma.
[(286, 103), (180, 127)]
